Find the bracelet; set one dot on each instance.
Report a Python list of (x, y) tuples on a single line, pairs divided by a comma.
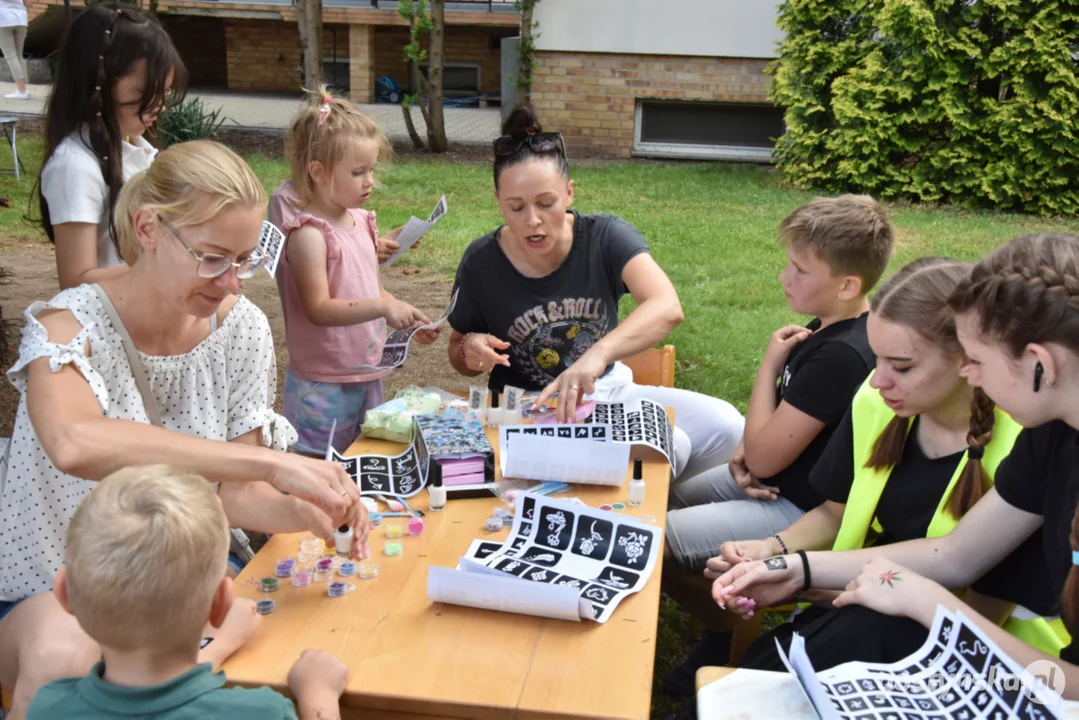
[(461, 349), (808, 582), (782, 545)]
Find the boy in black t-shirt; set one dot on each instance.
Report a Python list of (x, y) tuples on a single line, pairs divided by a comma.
[(837, 249)]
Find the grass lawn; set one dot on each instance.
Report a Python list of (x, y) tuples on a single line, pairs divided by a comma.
[(710, 226)]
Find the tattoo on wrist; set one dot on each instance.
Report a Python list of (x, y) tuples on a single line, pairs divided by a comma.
[(890, 578), (776, 563)]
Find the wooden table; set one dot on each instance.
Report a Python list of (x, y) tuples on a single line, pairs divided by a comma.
[(411, 658)]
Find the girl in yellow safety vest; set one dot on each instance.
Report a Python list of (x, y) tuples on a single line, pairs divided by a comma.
[(917, 449)]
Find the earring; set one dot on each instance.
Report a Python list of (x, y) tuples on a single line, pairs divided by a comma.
[(1038, 372)]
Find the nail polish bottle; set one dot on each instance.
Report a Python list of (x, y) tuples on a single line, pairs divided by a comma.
[(636, 485), (436, 492), (494, 413)]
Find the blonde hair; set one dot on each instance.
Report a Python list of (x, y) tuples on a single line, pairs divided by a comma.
[(146, 550), (850, 233), (326, 142), (188, 184)]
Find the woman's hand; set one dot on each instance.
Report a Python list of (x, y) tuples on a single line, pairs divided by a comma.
[(746, 481), (732, 553), (576, 381), (315, 520), (324, 484), (766, 583), (891, 589), (481, 352)]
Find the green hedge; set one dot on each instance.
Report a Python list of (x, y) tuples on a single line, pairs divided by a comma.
[(972, 102)]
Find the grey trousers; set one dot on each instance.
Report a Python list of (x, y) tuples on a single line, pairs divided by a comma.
[(11, 42)]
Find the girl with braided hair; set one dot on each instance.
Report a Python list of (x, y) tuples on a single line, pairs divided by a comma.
[(916, 450), (1017, 317), (118, 69)]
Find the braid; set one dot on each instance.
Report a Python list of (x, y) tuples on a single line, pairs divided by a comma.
[(888, 448), (973, 481), (104, 133)]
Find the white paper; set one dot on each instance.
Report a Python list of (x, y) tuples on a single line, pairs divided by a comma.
[(502, 593), (414, 229), (395, 349), (959, 672), (746, 694), (639, 422), (271, 242), (603, 555), (566, 453)]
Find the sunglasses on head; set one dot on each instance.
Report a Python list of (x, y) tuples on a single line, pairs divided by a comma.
[(538, 143)]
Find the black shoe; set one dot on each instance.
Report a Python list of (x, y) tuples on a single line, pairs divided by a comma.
[(711, 649)]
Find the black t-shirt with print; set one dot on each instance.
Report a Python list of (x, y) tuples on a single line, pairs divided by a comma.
[(911, 495), (1040, 476), (551, 321), (821, 377)]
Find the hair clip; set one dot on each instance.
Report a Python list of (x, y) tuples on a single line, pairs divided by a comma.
[(108, 32), (99, 114), (324, 111)]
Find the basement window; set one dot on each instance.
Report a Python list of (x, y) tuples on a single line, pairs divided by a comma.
[(726, 131), (459, 79)]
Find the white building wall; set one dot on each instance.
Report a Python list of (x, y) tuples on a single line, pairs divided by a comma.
[(708, 28)]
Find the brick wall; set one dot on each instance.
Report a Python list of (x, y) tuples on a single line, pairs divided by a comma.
[(477, 45), (591, 97), (264, 55), (201, 43)]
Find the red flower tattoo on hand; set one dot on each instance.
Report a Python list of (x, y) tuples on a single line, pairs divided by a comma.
[(889, 578)]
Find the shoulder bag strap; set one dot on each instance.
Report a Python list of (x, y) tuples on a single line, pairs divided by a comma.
[(133, 359)]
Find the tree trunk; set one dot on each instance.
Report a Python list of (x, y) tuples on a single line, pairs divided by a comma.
[(524, 56), (436, 126), (417, 141), (309, 23)]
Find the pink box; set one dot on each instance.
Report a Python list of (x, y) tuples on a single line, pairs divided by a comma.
[(470, 479), (460, 466)]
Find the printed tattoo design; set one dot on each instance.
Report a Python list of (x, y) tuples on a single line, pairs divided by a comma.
[(776, 563), (890, 577)]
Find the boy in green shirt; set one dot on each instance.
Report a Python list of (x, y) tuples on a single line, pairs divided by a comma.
[(146, 557)]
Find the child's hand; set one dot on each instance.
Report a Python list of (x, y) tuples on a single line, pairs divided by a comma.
[(388, 245), (426, 337), (317, 680), (401, 316), (780, 345), (241, 623), (894, 590)]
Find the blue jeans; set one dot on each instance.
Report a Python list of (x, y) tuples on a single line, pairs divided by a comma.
[(312, 407), (6, 607)]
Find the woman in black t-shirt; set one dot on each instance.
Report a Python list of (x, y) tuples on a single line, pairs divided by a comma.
[(1018, 321), (537, 303)]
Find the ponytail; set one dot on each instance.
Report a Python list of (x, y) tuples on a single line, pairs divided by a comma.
[(888, 448)]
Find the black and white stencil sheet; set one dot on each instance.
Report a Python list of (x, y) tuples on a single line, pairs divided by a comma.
[(414, 229), (271, 241), (581, 453), (395, 350), (601, 556), (641, 422), (403, 475), (957, 674)]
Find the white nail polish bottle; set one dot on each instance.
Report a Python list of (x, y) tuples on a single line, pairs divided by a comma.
[(636, 485)]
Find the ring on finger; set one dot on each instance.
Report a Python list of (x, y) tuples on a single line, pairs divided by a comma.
[(481, 364)]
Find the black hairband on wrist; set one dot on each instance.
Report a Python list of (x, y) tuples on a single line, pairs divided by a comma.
[(807, 582)]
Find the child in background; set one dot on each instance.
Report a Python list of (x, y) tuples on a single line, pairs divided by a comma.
[(117, 70), (150, 544), (335, 308)]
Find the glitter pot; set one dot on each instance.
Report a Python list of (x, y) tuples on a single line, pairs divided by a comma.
[(618, 506), (337, 589), (415, 526), (393, 548), (324, 564), (366, 552), (346, 569), (500, 512), (395, 530), (368, 571), (493, 524), (322, 576), (302, 576), (265, 607), (268, 584), (284, 567), (606, 507)]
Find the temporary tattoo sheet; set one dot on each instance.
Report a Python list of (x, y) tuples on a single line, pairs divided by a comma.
[(414, 229), (957, 673), (395, 350), (568, 453), (602, 555), (271, 241), (452, 434), (641, 422), (403, 475)]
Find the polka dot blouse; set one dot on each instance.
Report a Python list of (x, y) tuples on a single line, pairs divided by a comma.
[(220, 390)]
